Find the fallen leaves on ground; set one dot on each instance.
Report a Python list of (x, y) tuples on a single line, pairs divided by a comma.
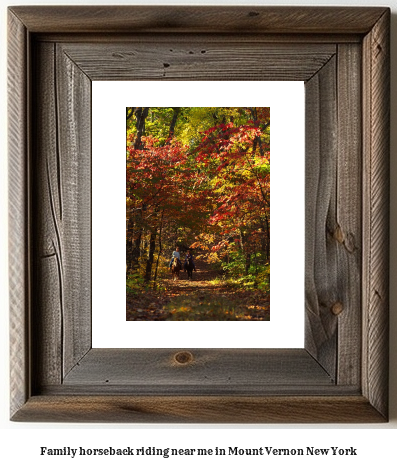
[(198, 299)]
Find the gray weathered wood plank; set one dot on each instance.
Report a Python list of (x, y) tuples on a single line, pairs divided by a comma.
[(348, 223), (19, 227), (320, 214), (48, 248), (73, 90), (228, 367), (376, 93), (199, 19), (228, 59), (199, 409), (62, 208)]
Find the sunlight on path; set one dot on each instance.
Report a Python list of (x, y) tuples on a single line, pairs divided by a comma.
[(205, 297), (201, 280)]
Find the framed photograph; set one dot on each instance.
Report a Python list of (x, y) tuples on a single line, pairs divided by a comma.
[(198, 207), (340, 375)]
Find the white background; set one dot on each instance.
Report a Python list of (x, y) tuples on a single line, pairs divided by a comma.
[(19, 443), (286, 328)]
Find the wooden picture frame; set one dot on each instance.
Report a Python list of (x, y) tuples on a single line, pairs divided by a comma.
[(342, 54)]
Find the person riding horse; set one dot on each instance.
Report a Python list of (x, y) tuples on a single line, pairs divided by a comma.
[(189, 265), (189, 257), (176, 254)]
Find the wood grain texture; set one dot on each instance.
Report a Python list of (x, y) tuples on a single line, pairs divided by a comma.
[(230, 369), (339, 377), (321, 260), (198, 19), (47, 325), (226, 59), (18, 212), (74, 149), (199, 409), (376, 91), (62, 205), (347, 228)]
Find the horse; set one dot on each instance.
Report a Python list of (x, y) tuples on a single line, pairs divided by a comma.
[(175, 269), (189, 268)]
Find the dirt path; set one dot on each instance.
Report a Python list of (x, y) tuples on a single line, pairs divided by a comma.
[(199, 282), (202, 298)]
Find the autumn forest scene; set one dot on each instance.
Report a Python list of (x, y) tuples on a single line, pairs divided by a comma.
[(198, 214)]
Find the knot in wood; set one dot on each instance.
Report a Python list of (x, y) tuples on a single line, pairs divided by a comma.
[(337, 308), (338, 235), (183, 357)]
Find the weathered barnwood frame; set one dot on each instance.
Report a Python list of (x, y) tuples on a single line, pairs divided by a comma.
[(342, 54)]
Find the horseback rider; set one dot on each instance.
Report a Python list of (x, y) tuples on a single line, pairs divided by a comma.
[(176, 254), (188, 257)]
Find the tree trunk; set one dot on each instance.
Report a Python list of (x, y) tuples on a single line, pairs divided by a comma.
[(267, 237), (136, 250), (141, 115), (247, 263), (129, 250), (173, 123), (134, 240), (160, 247), (245, 250), (152, 248)]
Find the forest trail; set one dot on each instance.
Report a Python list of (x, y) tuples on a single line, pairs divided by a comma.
[(200, 281), (205, 297)]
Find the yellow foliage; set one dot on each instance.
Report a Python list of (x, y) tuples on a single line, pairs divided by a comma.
[(212, 257)]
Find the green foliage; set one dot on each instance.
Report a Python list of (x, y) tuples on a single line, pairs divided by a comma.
[(236, 265), (258, 276), (263, 279), (158, 122), (196, 120), (135, 283)]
